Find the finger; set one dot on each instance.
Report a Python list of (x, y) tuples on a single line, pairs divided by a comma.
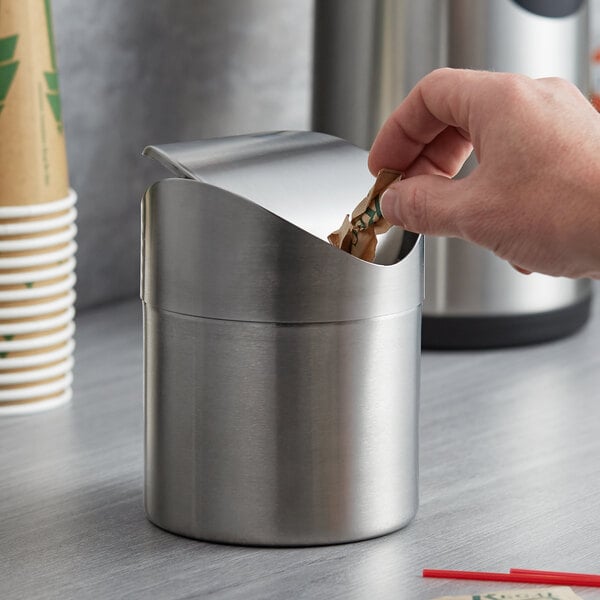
[(445, 155), (441, 99), (428, 204)]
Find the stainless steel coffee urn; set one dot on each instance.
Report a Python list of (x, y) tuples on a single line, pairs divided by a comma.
[(367, 56)]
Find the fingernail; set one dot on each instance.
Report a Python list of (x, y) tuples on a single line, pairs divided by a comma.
[(518, 268)]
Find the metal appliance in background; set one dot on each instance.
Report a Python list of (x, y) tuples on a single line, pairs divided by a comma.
[(367, 56), (281, 374)]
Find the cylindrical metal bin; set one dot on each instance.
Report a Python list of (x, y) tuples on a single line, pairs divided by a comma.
[(281, 374)]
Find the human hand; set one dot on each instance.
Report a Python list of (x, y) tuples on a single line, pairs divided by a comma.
[(533, 199)]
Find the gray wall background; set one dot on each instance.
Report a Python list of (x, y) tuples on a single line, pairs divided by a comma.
[(138, 72)]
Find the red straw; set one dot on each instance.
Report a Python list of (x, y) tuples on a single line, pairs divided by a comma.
[(555, 573), (555, 579)]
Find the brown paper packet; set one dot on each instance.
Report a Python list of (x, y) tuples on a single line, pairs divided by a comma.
[(33, 162), (358, 233)]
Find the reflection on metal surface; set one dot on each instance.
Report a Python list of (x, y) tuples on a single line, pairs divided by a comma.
[(367, 56)]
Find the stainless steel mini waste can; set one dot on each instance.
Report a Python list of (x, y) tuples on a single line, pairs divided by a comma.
[(281, 374)]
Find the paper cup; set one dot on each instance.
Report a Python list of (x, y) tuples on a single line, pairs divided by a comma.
[(29, 303), (33, 234), (38, 224), (37, 307), (32, 319), (9, 344), (33, 160), (29, 391), (37, 317), (34, 358), (35, 210), (20, 286), (18, 220), (29, 277), (40, 373), (44, 290), (26, 407), (35, 258), (37, 241), (57, 277), (36, 324), (36, 214), (33, 252)]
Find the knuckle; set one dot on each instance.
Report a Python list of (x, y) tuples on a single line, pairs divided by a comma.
[(437, 76), (559, 82), (552, 88), (515, 88), (441, 72)]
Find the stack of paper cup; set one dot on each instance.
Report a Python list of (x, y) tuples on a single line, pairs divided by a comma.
[(37, 277), (37, 217)]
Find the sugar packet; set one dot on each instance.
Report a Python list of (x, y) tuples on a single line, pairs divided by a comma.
[(358, 234), (553, 593)]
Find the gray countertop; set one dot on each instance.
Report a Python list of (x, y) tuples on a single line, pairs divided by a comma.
[(510, 477)]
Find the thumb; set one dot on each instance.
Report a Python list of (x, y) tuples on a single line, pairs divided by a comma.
[(429, 204)]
